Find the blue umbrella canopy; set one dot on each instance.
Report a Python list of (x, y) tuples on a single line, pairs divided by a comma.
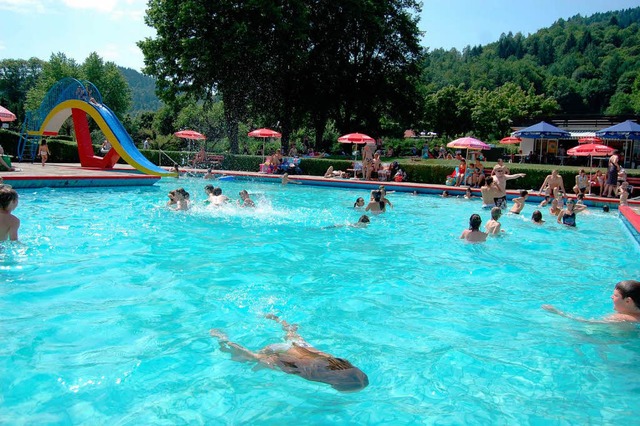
[(625, 130), (542, 130)]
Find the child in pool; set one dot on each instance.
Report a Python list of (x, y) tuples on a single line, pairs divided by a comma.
[(626, 303), (536, 217), (493, 226), (9, 224), (297, 356)]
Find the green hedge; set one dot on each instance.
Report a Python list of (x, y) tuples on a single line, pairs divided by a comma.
[(423, 171)]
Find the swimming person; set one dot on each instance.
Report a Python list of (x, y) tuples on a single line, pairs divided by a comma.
[(376, 206), (297, 356), (182, 199), (474, 234), (359, 203), (489, 192), (519, 202), (536, 217), (626, 303), (500, 179), (286, 180), (568, 216), (246, 200), (493, 226), (9, 224)]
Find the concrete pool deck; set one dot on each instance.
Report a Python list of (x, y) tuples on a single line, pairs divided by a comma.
[(70, 175)]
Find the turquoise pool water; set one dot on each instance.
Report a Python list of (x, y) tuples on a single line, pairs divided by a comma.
[(106, 306)]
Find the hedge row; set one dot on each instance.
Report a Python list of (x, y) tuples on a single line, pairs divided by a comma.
[(424, 171)]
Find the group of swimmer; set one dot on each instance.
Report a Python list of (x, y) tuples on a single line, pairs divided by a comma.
[(179, 199), (562, 208)]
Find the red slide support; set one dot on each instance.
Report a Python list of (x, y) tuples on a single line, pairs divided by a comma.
[(85, 149)]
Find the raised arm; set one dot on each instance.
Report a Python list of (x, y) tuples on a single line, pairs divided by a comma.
[(516, 176)]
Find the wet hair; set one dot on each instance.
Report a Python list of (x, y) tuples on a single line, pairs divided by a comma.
[(377, 195), (536, 216), (581, 196), (496, 212), (357, 200), (605, 208), (364, 219), (7, 196), (208, 188), (488, 180), (217, 191), (630, 288), (445, 193), (474, 222), (524, 193)]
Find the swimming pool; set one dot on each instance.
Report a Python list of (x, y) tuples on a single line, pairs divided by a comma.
[(106, 307)]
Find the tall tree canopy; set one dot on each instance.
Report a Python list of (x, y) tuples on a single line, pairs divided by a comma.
[(104, 75), (289, 61)]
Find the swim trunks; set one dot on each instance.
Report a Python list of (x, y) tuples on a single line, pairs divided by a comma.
[(501, 202)]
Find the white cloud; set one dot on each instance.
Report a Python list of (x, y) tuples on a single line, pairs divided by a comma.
[(2, 45), (99, 5), (23, 6)]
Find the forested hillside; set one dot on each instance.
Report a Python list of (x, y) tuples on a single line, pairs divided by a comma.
[(588, 65), (143, 91)]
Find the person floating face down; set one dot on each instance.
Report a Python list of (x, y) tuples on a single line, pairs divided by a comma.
[(298, 357)]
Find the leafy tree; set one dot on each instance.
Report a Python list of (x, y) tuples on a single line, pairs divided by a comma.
[(108, 78), (17, 76), (284, 61), (105, 76)]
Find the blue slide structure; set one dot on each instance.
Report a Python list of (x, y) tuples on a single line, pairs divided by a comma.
[(76, 99), (129, 152)]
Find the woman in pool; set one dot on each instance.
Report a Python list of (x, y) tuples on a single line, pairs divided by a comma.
[(568, 216), (626, 303), (376, 206), (359, 203), (297, 356), (474, 234)]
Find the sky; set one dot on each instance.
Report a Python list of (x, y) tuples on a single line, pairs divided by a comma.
[(40, 28)]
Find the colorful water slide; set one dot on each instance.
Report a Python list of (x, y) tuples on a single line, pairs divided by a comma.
[(79, 99), (121, 143)]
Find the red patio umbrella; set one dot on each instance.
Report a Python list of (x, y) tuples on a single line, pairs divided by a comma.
[(590, 139), (356, 138), (589, 150), (264, 133), (6, 115), (190, 134), (468, 143), (510, 140)]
